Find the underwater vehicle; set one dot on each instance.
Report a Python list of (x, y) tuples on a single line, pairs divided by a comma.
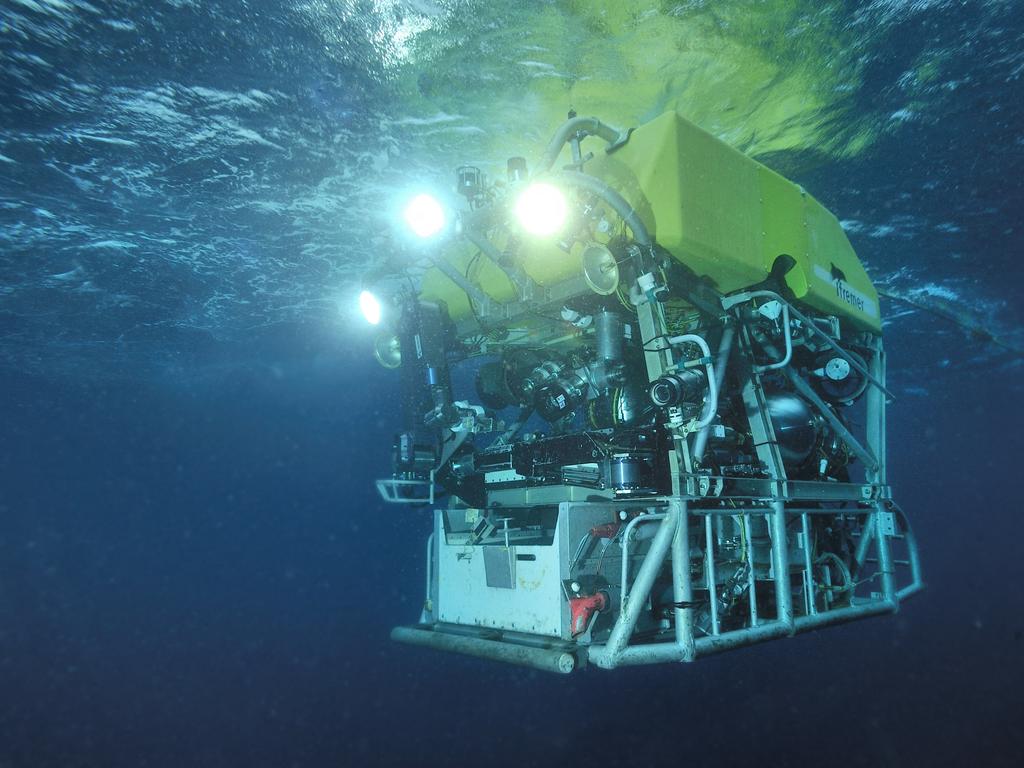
[(645, 402)]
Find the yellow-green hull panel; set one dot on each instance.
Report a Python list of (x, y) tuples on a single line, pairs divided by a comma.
[(722, 214)]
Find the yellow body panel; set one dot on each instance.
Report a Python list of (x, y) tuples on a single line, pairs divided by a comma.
[(723, 215), (543, 261), (435, 286)]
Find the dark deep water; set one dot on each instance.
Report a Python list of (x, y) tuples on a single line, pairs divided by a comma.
[(205, 578), (194, 566)]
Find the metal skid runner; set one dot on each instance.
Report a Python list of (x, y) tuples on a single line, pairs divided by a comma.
[(674, 446)]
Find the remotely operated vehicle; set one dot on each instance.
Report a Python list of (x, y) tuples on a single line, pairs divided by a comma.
[(644, 394)]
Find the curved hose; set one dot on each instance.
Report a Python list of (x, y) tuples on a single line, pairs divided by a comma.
[(724, 348), (788, 336), (588, 126), (711, 408), (618, 203)]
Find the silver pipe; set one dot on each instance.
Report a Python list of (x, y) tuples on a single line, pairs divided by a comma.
[(624, 544), (682, 592), (608, 654), (826, 577), (652, 653), (909, 591), (516, 275), (658, 653), (717, 643), (548, 660), (808, 568), (682, 583), (489, 249), (866, 535), (709, 573), (841, 615), (721, 363), (460, 280), (751, 576), (876, 415), (885, 565), (711, 403), (780, 553), (430, 568), (914, 555), (787, 335), (588, 126)]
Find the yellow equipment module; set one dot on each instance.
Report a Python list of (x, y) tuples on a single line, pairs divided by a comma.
[(725, 216)]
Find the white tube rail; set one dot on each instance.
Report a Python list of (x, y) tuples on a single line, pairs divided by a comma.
[(721, 365), (608, 655), (710, 574), (630, 526), (711, 407)]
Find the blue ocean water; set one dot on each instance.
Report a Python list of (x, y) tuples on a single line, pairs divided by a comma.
[(194, 566)]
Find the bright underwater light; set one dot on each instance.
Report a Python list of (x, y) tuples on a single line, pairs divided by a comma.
[(541, 209), (370, 306), (425, 216)]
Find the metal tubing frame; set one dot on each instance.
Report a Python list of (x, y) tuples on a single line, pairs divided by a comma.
[(771, 630), (780, 560), (787, 336), (673, 534), (672, 539), (579, 128), (682, 583), (876, 403), (728, 302), (652, 653), (866, 537), (751, 576), (805, 525), (721, 365), (607, 655), (870, 460), (630, 526), (527, 288), (710, 575), (687, 648), (848, 613), (885, 566), (915, 561), (471, 290)]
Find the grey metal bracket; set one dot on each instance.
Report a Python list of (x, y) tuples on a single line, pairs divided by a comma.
[(390, 490)]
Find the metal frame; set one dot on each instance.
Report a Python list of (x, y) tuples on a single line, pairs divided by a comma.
[(390, 490), (690, 523), (777, 500)]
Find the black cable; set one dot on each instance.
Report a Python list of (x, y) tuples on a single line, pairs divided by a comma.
[(471, 262), (655, 338)]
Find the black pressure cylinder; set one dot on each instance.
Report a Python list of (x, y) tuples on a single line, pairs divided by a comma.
[(796, 428)]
